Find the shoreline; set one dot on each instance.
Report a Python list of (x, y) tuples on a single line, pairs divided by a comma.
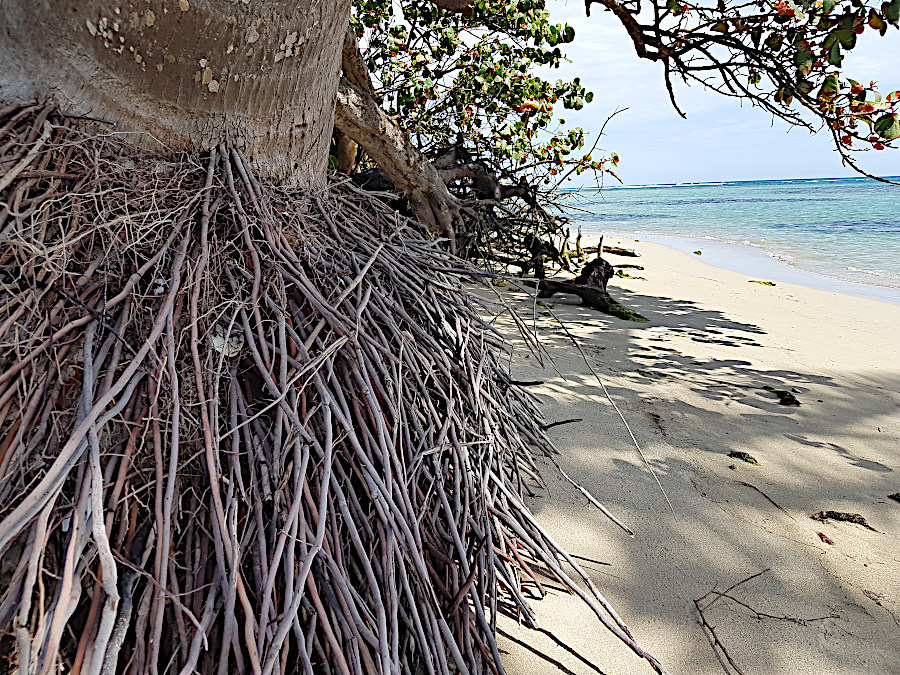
[(691, 385), (753, 259)]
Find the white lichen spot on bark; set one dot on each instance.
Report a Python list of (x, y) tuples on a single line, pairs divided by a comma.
[(230, 49), (101, 30), (170, 58), (138, 57), (207, 76), (252, 35), (213, 86), (184, 4), (159, 67), (149, 18), (203, 63), (290, 47)]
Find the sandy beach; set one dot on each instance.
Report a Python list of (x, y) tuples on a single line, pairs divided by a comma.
[(691, 385)]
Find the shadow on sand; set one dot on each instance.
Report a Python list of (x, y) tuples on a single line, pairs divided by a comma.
[(690, 401)]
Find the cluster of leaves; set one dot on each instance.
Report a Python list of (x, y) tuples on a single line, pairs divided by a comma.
[(783, 55), (451, 78), (817, 36)]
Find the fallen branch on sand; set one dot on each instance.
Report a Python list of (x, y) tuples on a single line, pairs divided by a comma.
[(590, 286), (718, 595)]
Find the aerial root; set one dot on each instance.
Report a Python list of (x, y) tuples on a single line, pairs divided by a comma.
[(247, 429)]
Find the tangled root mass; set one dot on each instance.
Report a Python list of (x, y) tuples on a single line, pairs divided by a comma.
[(245, 429)]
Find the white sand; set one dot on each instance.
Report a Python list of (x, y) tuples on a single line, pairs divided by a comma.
[(690, 385)]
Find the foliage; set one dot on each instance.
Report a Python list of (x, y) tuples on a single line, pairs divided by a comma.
[(468, 77), (784, 56)]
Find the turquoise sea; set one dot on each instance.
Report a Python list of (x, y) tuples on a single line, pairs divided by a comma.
[(839, 234)]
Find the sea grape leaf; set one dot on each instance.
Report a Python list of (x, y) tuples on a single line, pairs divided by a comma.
[(844, 35), (804, 61), (887, 126), (830, 88), (876, 22), (891, 11), (774, 41), (834, 55), (784, 95)]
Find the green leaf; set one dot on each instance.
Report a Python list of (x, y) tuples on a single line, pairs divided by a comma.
[(830, 88), (834, 55), (828, 6), (804, 61), (887, 126), (891, 11), (774, 41), (846, 36)]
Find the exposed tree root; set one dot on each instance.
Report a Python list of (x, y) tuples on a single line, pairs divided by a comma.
[(244, 429)]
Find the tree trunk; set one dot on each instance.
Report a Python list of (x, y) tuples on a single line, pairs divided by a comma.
[(359, 117), (187, 74)]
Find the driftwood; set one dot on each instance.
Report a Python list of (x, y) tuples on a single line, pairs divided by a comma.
[(590, 286), (538, 249), (618, 250), (615, 250)]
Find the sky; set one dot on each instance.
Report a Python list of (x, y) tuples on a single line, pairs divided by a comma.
[(720, 139)]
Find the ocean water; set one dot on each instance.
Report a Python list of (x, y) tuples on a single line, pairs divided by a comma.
[(840, 229)]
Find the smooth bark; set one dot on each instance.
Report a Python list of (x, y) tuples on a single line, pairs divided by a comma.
[(187, 74)]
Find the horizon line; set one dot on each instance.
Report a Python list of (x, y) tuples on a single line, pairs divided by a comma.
[(726, 182)]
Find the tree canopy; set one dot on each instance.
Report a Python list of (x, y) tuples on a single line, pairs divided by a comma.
[(471, 77), (785, 57)]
